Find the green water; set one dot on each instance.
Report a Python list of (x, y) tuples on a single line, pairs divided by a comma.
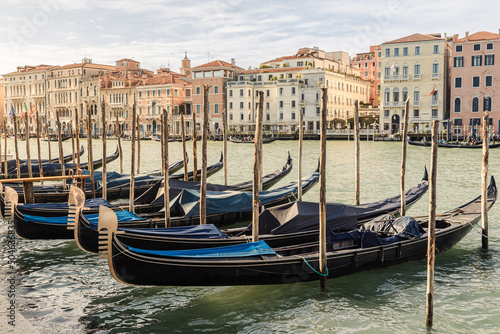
[(62, 289)]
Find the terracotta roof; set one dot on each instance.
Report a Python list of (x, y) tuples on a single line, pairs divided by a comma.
[(480, 36), (163, 80), (128, 59), (415, 38), (280, 59), (36, 68), (89, 65), (273, 70), (218, 63)]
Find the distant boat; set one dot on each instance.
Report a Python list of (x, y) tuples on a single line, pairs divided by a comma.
[(56, 138), (452, 144), (251, 140)]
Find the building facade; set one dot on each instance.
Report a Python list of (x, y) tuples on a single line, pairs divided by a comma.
[(474, 80), (292, 84), (415, 67), (369, 65), (216, 75)]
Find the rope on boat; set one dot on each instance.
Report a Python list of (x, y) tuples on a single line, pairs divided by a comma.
[(317, 272), (479, 232)]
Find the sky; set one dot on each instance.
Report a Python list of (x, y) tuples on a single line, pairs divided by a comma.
[(159, 32)]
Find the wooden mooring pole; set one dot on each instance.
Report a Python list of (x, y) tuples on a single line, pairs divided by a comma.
[(431, 231), (39, 149), (132, 161), (118, 135), (71, 133), (166, 195), (203, 184), (16, 148), (301, 139), (195, 153), (257, 157), (224, 144), (139, 147), (403, 158), (28, 152), (77, 135), (5, 152), (104, 167), (59, 142), (184, 152), (484, 197), (322, 195), (90, 155), (357, 163)]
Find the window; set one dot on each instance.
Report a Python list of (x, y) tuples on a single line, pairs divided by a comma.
[(476, 81), (241, 105), (387, 52), (281, 115), (318, 111), (405, 94), (230, 116), (489, 81), (405, 51), (154, 93), (416, 113), (489, 60), (405, 70), (268, 116), (267, 92), (386, 113), (477, 47), (293, 115), (475, 104), (140, 94), (293, 90), (242, 117), (489, 46), (293, 104), (387, 95), (459, 48), (434, 113), (230, 105), (241, 92), (281, 104), (267, 105), (457, 105), (198, 91), (458, 82), (396, 52), (458, 61), (416, 96), (487, 103), (216, 89), (435, 68), (395, 95), (416, 70), (477, 60), (436, 49), (417, 51), (387, 71), (216, 108), (281, 91), (230, 92)]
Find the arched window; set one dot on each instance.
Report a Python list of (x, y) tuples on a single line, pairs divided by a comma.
[(230, 116), (395, 94), (487, 103), (387, 95), (458, 105), (475, 104), (405, 94)]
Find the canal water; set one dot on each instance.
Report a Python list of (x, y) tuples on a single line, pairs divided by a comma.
[(61, 289)]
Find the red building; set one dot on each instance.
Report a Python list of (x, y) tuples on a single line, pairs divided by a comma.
[(368, 64)]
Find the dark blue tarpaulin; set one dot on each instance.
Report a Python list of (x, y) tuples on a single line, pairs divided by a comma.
[(208, 231), (242, 250), (90, 203)]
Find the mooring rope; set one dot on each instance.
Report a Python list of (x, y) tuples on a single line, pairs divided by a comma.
[(317, 272)]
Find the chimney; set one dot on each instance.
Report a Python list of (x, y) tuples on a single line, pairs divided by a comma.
[(445, 36), (233, 63), (498, 33), (455, 38), (466, 36)]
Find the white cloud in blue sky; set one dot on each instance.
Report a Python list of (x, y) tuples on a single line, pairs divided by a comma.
[(157, 32)]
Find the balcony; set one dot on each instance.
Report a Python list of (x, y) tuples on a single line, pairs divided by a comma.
[(434, 103), (302, 102), (386, 104), (416, 77), (416, 103), (397, 77), (435, 76), (397, 104)]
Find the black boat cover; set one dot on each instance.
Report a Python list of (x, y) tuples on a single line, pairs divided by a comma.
[(304, 216), (207, 231), (90, 203)]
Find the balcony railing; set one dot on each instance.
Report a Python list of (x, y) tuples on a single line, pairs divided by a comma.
[(416, 103), (397, 77), (434, 103), (435, 76), (416, 77)]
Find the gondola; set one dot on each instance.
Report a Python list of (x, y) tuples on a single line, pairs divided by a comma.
[(147, 202), (453, 145), (30, 227), (374, 245), (239, 140), (55, 138), (211, 170), (54, 169), (299, 228), (11, 164)]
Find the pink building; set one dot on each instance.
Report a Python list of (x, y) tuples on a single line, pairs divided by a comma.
[(475, 82), (368, 64), (215, 74)]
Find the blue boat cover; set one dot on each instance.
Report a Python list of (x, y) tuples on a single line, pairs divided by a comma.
[(117, 180), (123, 216), (187, 203), (241, 250), (208, 231), (90, 203)]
